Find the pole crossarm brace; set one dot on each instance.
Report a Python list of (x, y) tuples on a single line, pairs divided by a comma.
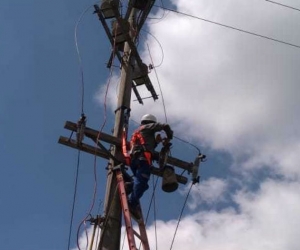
[(94, 134), (102, 153), (107, 31), (134, 51), (131, 44), (145, 14)]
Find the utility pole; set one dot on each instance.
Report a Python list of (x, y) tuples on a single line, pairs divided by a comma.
[(111, 233), (134, 73)]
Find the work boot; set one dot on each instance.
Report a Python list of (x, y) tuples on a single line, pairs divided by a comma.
[(134, 211)]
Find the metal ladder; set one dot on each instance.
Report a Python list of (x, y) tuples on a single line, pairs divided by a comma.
[(128, 217)]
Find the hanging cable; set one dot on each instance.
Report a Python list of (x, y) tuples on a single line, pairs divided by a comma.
[(149, 207), (165, 14), (79, 132), (95, 155), (162, 97), (162, 51), (79, 57), (74, 199), (199, 152), (154, 212), (95, 160), (91, 207), (179, 219), (231, 27)]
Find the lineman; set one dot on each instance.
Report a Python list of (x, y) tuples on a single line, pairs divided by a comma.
[(143, 143)]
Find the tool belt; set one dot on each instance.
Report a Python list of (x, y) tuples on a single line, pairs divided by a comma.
[(141, 154)]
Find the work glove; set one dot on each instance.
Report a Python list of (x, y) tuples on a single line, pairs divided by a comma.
[(168, 131), (158, 138)]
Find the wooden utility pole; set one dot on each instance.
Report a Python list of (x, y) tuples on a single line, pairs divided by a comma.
[(111, 233)]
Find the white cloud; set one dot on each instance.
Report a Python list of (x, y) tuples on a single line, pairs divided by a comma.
[(211, 191), (236, 93), (266, 219), (231, 91)]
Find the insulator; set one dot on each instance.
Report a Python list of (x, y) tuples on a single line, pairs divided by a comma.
[(80, 129), (196, 165), (169, 182)]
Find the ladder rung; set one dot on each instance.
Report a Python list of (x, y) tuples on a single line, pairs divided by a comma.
[(136, 234)]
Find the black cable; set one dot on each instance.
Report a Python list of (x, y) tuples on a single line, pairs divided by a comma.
[(230, 27), (159, 18), (287, 6), (181, 215), (149, 207), (74, 199), (199, 152)]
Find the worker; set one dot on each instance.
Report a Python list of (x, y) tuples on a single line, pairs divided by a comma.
[(143, 143)]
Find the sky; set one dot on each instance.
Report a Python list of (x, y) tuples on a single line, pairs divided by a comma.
[(232, 94)]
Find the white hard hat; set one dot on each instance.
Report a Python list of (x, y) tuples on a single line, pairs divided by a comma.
[(148, 118)]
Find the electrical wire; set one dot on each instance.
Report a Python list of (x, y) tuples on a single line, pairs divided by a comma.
[(149, 207), (95, 156), (154, 213), (231, 27), (79, 57), (199, 152), (178, 138), (74, 198), (165, 14), (82, 112), (179, 219), (162, 51), (91, 206), (95, 162), (162, 97), (287, 6)]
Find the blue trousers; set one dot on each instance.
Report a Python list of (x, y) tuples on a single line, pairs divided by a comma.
[(141, 172)]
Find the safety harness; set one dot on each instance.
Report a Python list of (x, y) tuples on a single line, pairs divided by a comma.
[(136, 140)]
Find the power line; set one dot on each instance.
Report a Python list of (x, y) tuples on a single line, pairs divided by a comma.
[(179, 219), (230, 27), (74, 199), (287, 6)]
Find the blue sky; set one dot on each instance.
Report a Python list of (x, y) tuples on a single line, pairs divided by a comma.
[(233, 95)]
